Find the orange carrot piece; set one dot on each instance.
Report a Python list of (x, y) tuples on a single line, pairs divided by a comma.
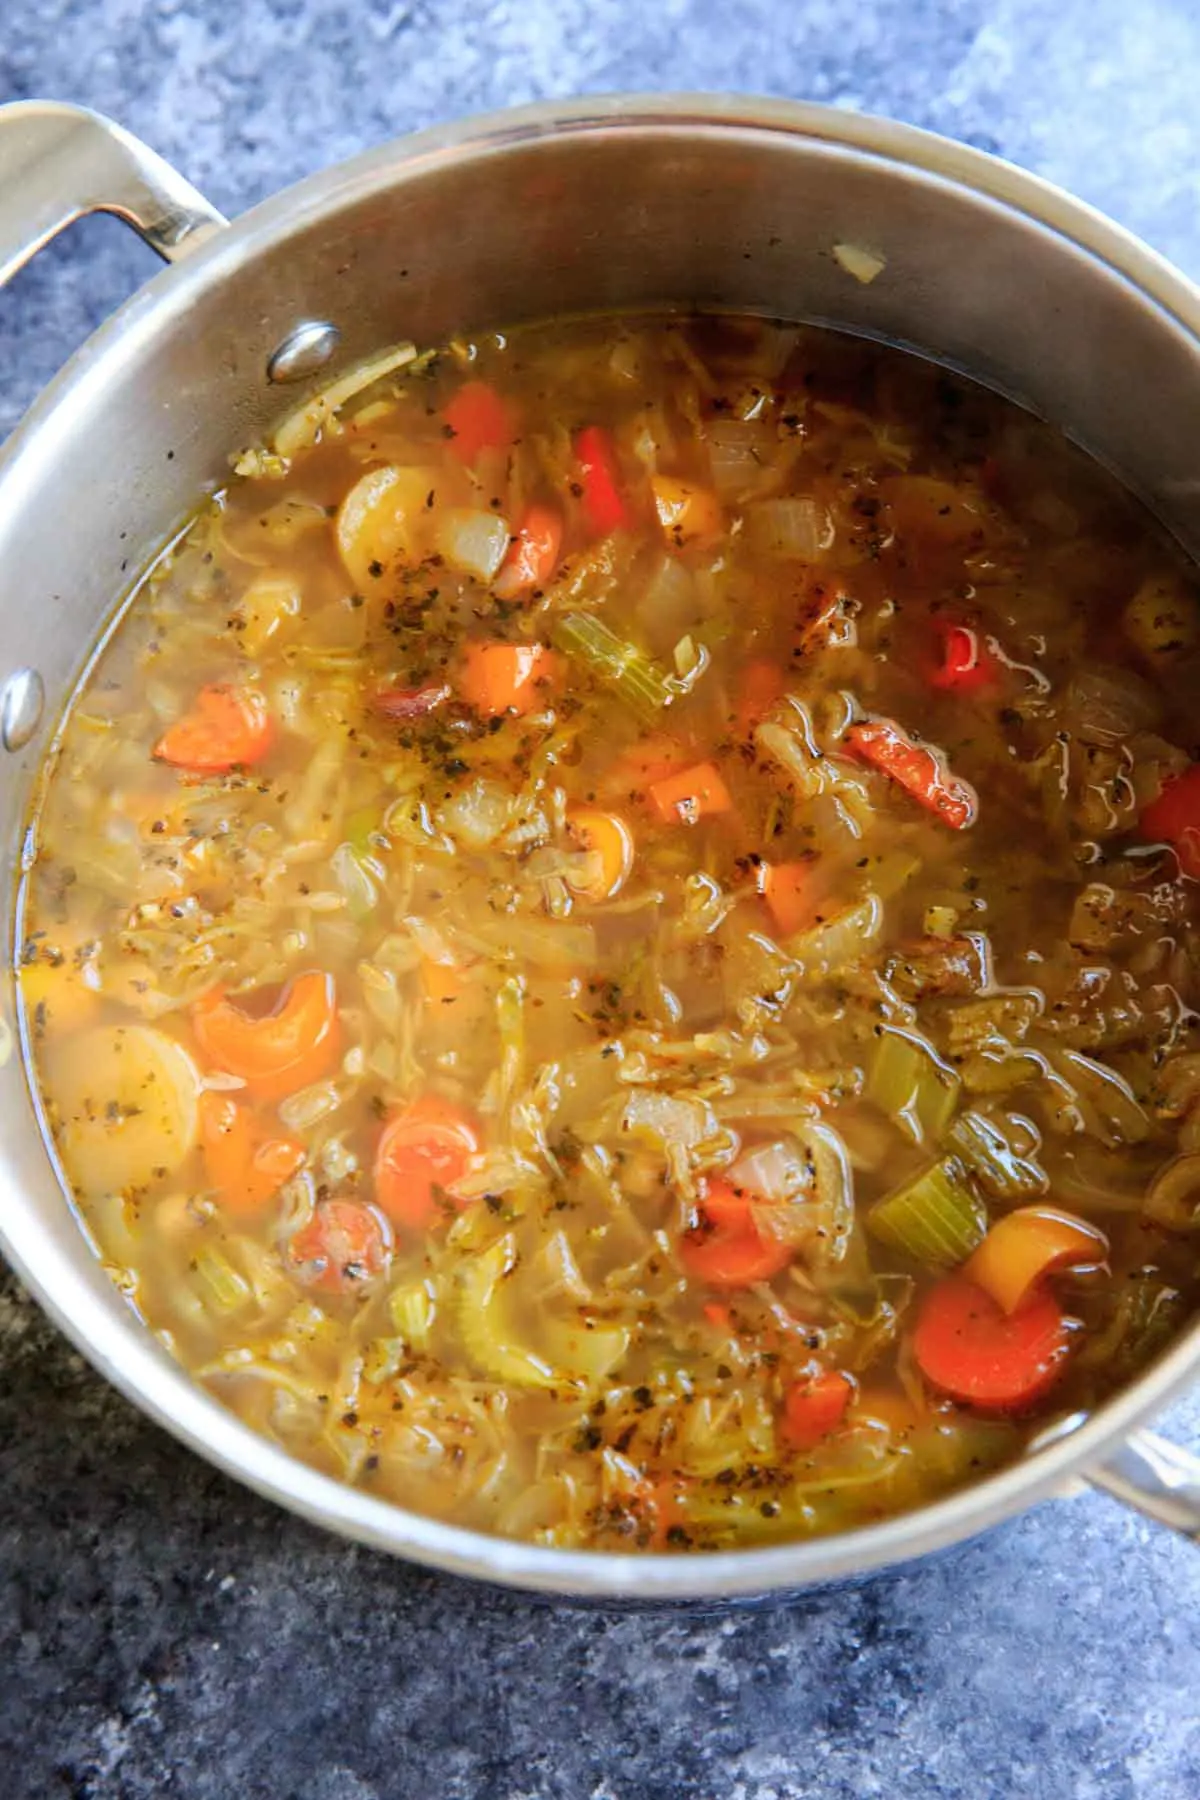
[(760, 689), (916, 768), (477, 419), (685, 511), (502, 678), (424, 1149), (966, 1346), (288, 1048), (814, 1409), (246, 1162), (603, 508), (610, 840), (649, 760), (787, 890), (690, 795), (725, 1249), (1028, 1244), (533, 554), (344, 1246), (226, 727)]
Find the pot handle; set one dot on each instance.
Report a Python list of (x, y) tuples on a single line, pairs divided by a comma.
[(1156, 1478), (59, 163)]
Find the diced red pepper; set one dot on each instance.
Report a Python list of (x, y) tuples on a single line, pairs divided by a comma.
[(603, 507), (1174, 818), (916, 768), (967, 665), (760, 689)]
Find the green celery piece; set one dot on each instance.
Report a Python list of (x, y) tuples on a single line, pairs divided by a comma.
[(226, 1289), (912, 1086), (412, 1312), (935, 1218), (621, 665), (992, 1159)]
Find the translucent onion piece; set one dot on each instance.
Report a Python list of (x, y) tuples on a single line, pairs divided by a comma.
[(797, 527), (471, 540)]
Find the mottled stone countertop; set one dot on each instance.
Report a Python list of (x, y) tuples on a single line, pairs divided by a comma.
[(163, 1632)]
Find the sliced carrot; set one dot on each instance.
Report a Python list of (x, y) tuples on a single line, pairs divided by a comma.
[(760, 689), (726, 1249), (477, 419), (685, 511), (226, 727), (916, 768), (1174, 818), (610, 841), (718, 1315), (970, 1348), (533, 555), (813, 1409), (886, 1406), (966, 663), (288, 1048), (787, 890), (690, 795), (246, 1162), (1027, 1244), (423, 1150), (603, 508), (344, 1246), (502, 678), (651, 759)]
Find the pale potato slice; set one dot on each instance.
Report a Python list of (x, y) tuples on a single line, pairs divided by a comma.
[(126, 1098), (384, 520)]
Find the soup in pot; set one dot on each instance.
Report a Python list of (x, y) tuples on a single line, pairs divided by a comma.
[(611, 939)]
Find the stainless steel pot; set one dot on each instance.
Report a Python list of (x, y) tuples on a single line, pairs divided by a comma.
[(549, 209)]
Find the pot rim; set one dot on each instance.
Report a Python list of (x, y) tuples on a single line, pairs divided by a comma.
[(120, 1347)]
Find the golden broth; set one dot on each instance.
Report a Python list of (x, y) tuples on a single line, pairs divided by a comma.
[(593, 882)]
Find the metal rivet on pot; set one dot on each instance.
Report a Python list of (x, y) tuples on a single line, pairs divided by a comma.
[(303, 351), (21, 701)]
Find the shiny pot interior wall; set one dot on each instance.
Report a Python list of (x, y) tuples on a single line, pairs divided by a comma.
[(610, 209)]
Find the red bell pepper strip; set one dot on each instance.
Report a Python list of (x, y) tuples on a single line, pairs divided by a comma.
[(603, 506), (916, 768), (966, 664), (1174, 818)]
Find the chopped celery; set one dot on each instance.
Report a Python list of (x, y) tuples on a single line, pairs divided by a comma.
[(226, 1289), (910, 1083), (510, 1018), (1147, 1314), (619, 664), (935, 1219), (412, 1311), (993, 1160), (580, 1354)]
